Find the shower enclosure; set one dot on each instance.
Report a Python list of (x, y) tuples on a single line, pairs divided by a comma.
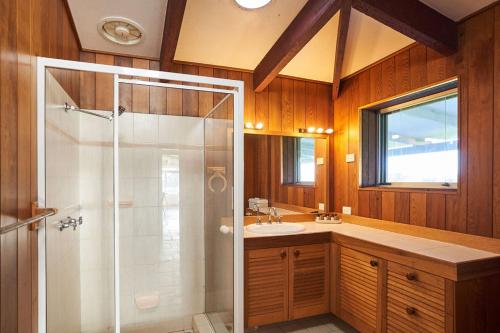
[(149, 233)]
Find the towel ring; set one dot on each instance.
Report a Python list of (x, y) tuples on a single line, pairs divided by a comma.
[(217, 174)]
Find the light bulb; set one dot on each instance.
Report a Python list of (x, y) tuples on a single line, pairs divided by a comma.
[(329, 131), (319, 130), (311, 129), (259, 126), (248, 125)]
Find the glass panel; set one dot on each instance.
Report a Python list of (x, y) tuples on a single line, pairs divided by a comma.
[(79, 182), (306, 160), (423, 142), (219, 215), (161, 223)]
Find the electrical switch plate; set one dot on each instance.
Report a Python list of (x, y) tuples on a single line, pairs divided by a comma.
[(320, 161), (346, 210), (321, 206), (349, 158)]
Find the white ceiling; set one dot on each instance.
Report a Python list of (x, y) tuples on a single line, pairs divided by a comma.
[(150, 14), (218, 32)]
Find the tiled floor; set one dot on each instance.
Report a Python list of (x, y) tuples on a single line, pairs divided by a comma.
[(320, 324)]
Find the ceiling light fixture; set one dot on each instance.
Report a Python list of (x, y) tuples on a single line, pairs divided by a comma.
[(252, 4), (120, 30)]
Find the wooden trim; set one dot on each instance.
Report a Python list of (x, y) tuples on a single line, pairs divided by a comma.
[(382, 296), (479, 11), (300, 209), (72, 23), (436, 31), (171, 31), (408, 189), (275, 133), (311, 18), (118, 54), (345, 16), (266, 242)]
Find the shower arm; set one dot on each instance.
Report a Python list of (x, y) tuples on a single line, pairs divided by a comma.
[(68, 107)]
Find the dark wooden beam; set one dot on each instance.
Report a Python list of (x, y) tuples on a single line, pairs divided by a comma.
[(171, 31), (345, 15), (312, 17), (415, 20)]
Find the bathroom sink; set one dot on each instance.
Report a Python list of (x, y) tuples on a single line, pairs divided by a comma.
[(275, 228)]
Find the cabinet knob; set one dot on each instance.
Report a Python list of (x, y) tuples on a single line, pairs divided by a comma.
[(411, 310), (283, 254), (373, 263), (411, 276), (296, 253)]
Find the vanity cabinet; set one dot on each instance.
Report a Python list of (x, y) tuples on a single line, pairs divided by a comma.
[(359, 289), (286, 283)]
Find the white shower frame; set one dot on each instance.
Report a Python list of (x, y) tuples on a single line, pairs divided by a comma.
[(236, 88)]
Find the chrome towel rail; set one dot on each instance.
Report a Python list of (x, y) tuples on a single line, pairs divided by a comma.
[(43, 213)]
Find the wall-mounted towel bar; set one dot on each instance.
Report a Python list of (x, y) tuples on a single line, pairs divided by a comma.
[(42, 213)]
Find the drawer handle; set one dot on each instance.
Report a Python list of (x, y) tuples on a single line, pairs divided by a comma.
[(411, 310), (296, 253), (283, 254), (411, 276), (373, 263)]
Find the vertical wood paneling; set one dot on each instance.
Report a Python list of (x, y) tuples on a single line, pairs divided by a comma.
[(104, 84), (388, 206), (249, 98), (206, 99), (222, 109), (479, 55), (275, 110), (436, 66), (496, 124), (299, 105), (364, 203), (402, 207), (375, 204), (174, 96), (418, 66), (418, 209), (125, 90), (353, 144), (436, 210), (140, 94), (376, 82), (190, 97), (311, 104), (402, 65), (287, 103), (157, 95), (388, 78), (87, 83), (262, 107)]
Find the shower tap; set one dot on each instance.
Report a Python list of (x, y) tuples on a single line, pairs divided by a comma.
[(70, 222)]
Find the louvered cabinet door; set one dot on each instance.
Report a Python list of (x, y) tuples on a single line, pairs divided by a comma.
[(309, 280), (359, 289), (266, 286)]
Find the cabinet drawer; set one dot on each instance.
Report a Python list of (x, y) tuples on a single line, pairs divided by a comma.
[(415, 300)]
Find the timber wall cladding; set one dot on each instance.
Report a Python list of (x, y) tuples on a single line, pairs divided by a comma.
[(28, 28), (285, 106), (475, 207)]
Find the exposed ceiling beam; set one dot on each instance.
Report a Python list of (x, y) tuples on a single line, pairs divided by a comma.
[(311, 18), (171, 31), (345, 15), (415, 20)]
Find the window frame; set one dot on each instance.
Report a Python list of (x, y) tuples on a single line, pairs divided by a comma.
[(296, 162), (393, 104)]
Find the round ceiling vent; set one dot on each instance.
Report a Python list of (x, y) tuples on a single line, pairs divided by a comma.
[(121, 30)]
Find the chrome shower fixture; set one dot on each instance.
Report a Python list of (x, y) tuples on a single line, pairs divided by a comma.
[(69, 107)]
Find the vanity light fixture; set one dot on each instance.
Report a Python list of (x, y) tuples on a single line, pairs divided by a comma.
[(250, 125), (259, 126), (252, 4), (311, 129)]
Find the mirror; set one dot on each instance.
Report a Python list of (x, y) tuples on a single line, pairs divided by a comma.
[(287, 172)]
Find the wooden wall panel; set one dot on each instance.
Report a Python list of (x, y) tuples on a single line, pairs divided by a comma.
[(475, 207), (299, 105), (104, 84), (287, 106), (275, 110), (29, 29), (140, 94), (157, 95)]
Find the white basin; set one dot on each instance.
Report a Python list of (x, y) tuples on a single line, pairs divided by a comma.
[(275, 228)]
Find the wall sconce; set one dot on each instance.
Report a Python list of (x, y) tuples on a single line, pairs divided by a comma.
[(312, 130), (258, 126)]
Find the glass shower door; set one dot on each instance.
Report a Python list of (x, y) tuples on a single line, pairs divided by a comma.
[(219, 237)]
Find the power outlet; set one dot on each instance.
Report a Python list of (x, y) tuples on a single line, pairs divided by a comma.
[(321, 207), (346, 210), (349, 158)]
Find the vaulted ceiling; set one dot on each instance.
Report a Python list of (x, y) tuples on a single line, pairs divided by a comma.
[(218, 32)]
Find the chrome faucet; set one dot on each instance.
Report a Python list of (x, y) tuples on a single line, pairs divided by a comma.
[(277, 217), (257, 210)]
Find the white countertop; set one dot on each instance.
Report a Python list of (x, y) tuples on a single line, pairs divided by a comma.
[(430, 248)]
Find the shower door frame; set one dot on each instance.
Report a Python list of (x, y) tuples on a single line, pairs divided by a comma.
[(236, 89)]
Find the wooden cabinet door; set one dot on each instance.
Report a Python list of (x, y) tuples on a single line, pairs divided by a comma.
[(309, 280), (266, 286), (359, 289)]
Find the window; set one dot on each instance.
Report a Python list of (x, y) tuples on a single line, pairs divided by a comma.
[(298, 160), (413, 143)]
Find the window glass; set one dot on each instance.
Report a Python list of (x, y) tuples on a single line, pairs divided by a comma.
[(422, 142), (306, 160)]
